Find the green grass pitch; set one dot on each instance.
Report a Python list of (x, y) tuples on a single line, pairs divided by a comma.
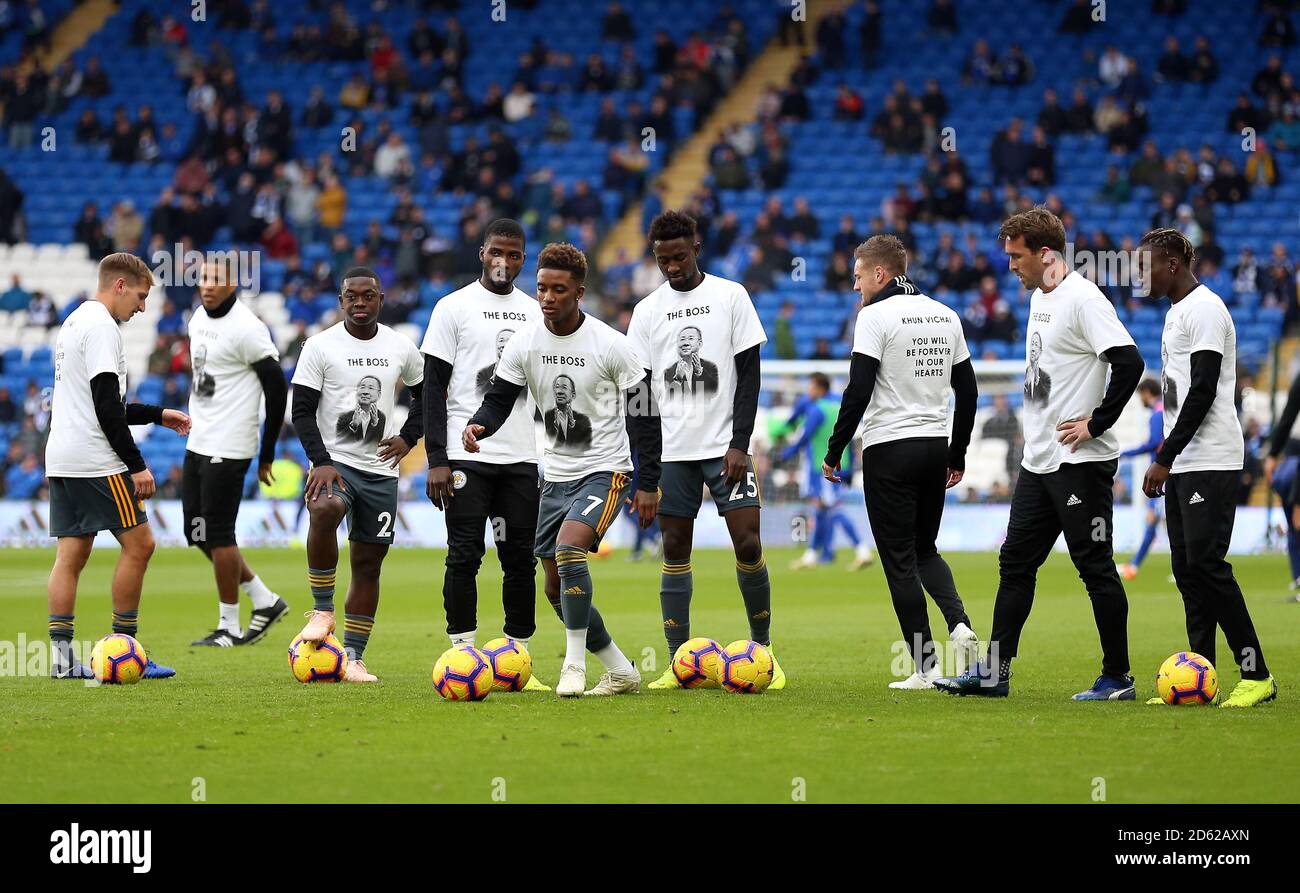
[(237, 720)]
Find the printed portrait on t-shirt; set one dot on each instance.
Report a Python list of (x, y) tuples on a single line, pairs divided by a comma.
[(565, 425), (204, 384), (1168, 387), (364, 424), (1038, 384), (483, 380), (691, 374)]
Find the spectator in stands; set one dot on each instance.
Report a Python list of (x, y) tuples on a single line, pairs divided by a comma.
[(1277, 283), (16, 298), (332, 204), (89, 128), (41, 312), (1117, 189), (1052, 118), (1245, 273), (8, 408), (390, 156), (1080, 115), (941, 17), (1148, 166), (1261, 169), (1172, 66), (980, 66), (1278, 30), (125, 227), (25, 480), (94, 80), (1284, 132), (848, 104), (1166, 215), (730, 171), (355, 94), (36, 412), (1244, 114), (830, 40), (1077, 19), (317, 112), (20, 110), (839, 273), (1042, 160), (1002, 423), (11, 202), (1009, 155), (1228, 184), (518, 103), (1204, 68), (1014, 68)]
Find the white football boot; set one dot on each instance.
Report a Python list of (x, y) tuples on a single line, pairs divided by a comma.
[(617, 684), (918, 681), (573, 681)]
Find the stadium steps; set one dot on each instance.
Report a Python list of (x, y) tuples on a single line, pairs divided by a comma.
[(689, 167), (79, 26)]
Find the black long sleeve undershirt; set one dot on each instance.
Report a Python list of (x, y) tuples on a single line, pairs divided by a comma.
[(413, 429), (966, 393), (1281, 432), (1126, 368), (857, 394), (647, 433), (744, 406), (276, 390), (305, 402), (497, 405), (115, 417), (1196, 405), (437, 378)]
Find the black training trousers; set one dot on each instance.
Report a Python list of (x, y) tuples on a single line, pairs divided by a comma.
[(506, 497), (1076, 500), (904, 482), (1200, 508)]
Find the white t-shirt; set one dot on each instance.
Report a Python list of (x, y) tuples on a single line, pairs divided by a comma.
[(357, 380), (917, 341), (1070, 327), (689, 340), (1198, 322), (225, 392), (89, 344), (578, 381), (469, 329)]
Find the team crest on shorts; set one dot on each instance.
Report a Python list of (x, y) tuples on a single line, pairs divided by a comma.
[(457, 479)]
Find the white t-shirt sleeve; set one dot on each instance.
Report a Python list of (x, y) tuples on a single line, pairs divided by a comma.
[(869, 335), (638, 336), (100, 348), (441, 337), (960, 350), (623, 364), (1207, 329), (258, 345), (511, 365), (1100, 326), (309, 372), (413, 367), (747, 328)]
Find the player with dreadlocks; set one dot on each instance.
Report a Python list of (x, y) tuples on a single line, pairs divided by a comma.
[(1198, 467)]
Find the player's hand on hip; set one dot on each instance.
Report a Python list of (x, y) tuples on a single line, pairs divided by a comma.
[(734, 465), (438, 486), (1153, 482), (1074, 432), (322, 479), (176, 420), (264, 473), (392, 449), (954, 477), (469, 437), (143, 483), (832, 474)]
